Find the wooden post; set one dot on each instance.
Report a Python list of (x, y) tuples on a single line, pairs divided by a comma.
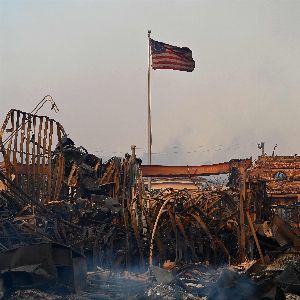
[(255, 238), (242, 239), (149, 109)]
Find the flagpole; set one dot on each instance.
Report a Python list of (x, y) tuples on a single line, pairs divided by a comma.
[(149, 109)]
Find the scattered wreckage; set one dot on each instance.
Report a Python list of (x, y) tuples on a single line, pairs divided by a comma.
[(63, 212)]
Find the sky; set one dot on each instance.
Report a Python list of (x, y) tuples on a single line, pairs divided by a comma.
[(91, 57)]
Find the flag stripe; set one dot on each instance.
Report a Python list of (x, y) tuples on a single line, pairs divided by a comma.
[(171, 60), (171, 67), (178, 50), (170, 55), (168, 61), (184, 56), (172, 63), (157, 59)]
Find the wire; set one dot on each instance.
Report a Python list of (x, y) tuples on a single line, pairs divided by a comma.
[(186, 151)]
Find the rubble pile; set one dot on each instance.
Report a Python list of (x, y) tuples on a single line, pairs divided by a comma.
[(198, 281)]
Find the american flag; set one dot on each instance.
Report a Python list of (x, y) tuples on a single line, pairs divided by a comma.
[(166, 56)]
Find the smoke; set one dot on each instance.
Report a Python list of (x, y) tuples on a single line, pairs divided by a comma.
[(232, 286)]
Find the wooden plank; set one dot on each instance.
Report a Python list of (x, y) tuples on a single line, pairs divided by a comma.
[(22, 147), (242, 238), (43, 177), (28, 178), (16, 145), (8, 151), (49, 176), (59, 166), (33, 158), (38, 157), (255, 238)]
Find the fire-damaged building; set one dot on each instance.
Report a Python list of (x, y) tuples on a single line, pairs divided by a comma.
[(79, 213), (282, 177)]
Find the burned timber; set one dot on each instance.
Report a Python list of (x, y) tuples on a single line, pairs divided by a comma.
[(72, 224)]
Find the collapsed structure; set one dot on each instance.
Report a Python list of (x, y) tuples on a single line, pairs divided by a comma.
[(281, 175), (82, 213)]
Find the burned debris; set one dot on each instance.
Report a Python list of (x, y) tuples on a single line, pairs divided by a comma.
[(63, 212), (281, 174)]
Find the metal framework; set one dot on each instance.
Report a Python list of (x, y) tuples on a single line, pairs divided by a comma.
[(27, 144)]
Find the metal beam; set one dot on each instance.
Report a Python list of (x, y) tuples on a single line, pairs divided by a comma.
[(184, 171)]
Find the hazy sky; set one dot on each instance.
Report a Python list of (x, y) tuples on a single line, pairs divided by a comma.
[(91, 56)]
